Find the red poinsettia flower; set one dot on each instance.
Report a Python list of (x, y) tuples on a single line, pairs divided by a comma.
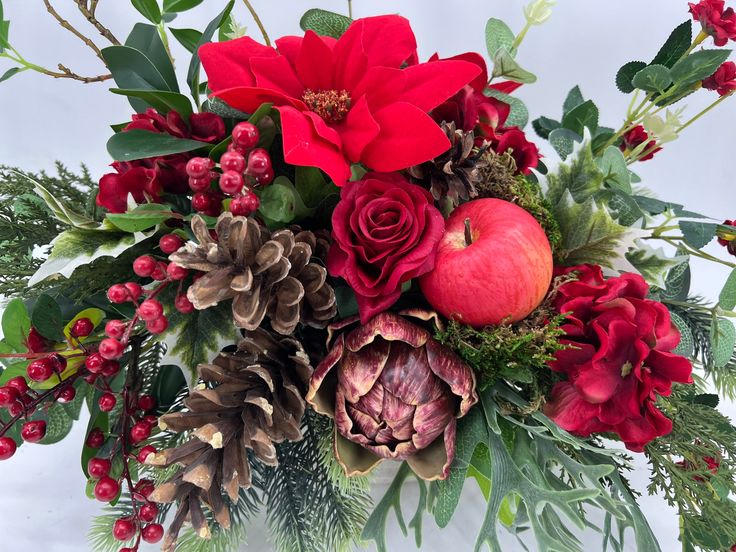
[(716, 21), (619, 358), (723, 80), (343, 101)]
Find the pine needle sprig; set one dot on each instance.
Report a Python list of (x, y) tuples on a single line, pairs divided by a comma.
[(100, 533)]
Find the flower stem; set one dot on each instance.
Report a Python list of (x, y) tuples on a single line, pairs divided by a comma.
[(258, 21), (468, 233), (350, 9), (706, 110)]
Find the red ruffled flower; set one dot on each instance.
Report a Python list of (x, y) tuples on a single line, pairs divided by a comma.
[(619, 361), (385, 233), (513, 140), (723, 80), (636, 137), (716, 21), (147, 179), (343, 101)]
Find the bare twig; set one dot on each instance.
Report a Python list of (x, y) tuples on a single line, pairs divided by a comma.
[(89, 13), (66, 73), (258, 22), (68, 26)]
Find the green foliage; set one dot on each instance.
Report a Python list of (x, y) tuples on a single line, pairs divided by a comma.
[(681, 475), (175, 6), (584, 115), (505, 66), (727, 297), (142, 217), (324, 23), (140, 144), (46, 317), (698, 234), (100, 533), (676, 45), (162, 101), (653, 78), (325, 431), (698, 66), (498, 36), (189, 38), (148, 9), (653, 264), (625, 76)]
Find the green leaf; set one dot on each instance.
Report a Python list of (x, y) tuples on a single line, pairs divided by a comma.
[(563, 141), (146, 39), (141, 218), (174, 6), (616, 173), (209, 32), (132, 70), (708, 399), (148, 9), (498, 35), (168, 384), (653, 78), (626, 74), (543, 126), (10, 72), (46, 317), (678, 282), (312, 186), (189, 38), (698, 234), (657, 207), (698, 66), (16, 324), (580, 176), (722, 340), (58, 424), (727, 297), (75, 248), (676, 46), (61, 210), (281, 202), (375, 527), (653, 264), (686, 346), (97, 420), (324, 23), (504, 66), (574, 98), (519, 115), (196, 338), (622, 206), (141, 144), (581, 117), (4, 30), (161, 101), (95, 315)]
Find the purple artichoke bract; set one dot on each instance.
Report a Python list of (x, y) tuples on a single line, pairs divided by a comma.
[(394, 392)]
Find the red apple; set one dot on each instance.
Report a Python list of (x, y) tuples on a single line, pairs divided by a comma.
[(494, 264)]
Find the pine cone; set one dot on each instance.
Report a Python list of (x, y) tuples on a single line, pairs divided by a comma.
[(249, 399), (455, 173), (264, 273)]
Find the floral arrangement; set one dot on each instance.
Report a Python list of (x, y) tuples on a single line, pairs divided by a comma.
[(326, 253)]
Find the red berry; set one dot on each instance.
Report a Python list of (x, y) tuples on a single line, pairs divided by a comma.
[(107, 402), (115, 329), (159, 273), (183, 304), (33, 432), (111, 349), (176, 272), (118, 293), (110, 368), (7, 448), (66, 395), (16, 408), (150, 309), (98, 467), (82, 327), (135, 290), (231, 182), (95, 439), (170, 243), (148, 512), (35, 342), (201, 202), (40, 370), (18, 383), (94, 363), (140, 432), (144, 487), (246, 135), (106, 489), (143, 454), (8, 395), (232, 161), (58, 363), (259, 161), (123, 529), (143, 266), (240, 207), (146, 403), (200, 184), (158, 325), (152, 533), (197, 167), (252, 201), (150, 420)]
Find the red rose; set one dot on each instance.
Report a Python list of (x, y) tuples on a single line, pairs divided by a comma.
[(723, 80), (620, 358), (385, 233), (343, 101), (636, 137), (717, 22), (147, 179), (525, 153)]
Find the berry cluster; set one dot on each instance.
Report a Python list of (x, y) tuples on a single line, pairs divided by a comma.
[(730, 245), (243, 166)]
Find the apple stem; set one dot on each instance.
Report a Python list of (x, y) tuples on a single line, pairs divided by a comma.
[(468, 233)]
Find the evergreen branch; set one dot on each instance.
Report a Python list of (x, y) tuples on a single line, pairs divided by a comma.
[(100, 533)]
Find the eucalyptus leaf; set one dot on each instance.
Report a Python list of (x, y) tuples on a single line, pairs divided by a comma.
[(615, 170), (573, 99), (563, 141), (582, 116), (723, 341), (324, 23), (281, 202), (698, 234), (543, 126), (519, 114), (727, 297), (499, 35), (504, 66)]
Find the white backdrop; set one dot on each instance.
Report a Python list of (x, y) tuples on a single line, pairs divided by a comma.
[(42, 503)]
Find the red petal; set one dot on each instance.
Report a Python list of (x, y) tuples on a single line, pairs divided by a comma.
[(228, 64), (277, 74), (408, 137), (481, 81), (430, 84), (303, 146), (506, 87), (323, 129), (358, 130), (314, 63), (380, 86), (249, 99)]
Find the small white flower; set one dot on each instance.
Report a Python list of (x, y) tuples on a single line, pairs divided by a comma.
[(663, 129), (538, 11)]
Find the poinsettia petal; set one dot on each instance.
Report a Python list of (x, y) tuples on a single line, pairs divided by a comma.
[(380, 87), (358, 130), (249, 99), (304, 146), (314, 63), (394, 148), (480, 82), (289, 46), (323, 129), (276, 73), (430, 84), (228, 64)]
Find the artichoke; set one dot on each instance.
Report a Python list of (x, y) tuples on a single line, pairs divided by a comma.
[(394, 392)]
